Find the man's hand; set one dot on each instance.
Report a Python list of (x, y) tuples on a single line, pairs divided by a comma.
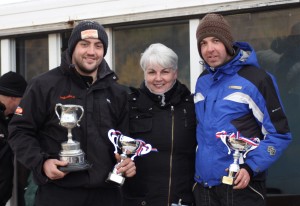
[(51, 170), (242, 179), (127, 166)]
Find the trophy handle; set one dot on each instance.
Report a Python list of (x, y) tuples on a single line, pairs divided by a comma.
[(113, 138), (82, 111), (56, 112), (146, 149), (252, 148), (143, 149), (223, 135)]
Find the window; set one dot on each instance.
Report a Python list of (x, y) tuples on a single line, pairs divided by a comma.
[(275, 36), (129, 43), (32, 56)]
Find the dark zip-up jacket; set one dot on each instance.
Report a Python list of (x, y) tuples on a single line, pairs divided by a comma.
[(35, 133), (6, 160), (165, 176)]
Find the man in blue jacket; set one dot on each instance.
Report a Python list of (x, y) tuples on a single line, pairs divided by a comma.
[(234, 96)]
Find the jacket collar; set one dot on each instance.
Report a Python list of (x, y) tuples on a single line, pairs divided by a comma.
[(104, 71), (245, 56), (172, 97)]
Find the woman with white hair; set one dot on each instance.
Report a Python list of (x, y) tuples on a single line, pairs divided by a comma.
[(162, 113)]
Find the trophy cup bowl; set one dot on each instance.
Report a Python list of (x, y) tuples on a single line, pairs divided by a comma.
[(128, 146), (71, 151), (239, 145)]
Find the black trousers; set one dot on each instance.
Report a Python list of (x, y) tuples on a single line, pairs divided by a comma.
[(53, 195), (225, 195)]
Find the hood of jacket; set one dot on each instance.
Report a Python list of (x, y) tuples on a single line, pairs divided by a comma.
[(172, 97)]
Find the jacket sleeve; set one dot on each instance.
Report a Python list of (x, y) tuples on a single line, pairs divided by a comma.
[(123, 120), (23, 130), (269, 112)]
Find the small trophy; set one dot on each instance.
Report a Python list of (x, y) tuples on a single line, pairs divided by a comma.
[(71, 151), (128, 146), (239, 145)]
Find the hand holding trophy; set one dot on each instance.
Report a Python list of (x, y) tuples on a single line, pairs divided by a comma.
[(128, 146), (240, 145), (71, 151)]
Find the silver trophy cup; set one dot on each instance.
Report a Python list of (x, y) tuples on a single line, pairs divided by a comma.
[(128, 146), (241, 146), (71, 152)]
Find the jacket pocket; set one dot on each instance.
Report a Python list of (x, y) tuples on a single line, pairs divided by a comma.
[(140, 123)]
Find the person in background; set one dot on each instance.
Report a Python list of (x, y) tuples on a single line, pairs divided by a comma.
[(12, 87), (235, 96), (288, 73), (288, 70), (85, 79), (162, 113)]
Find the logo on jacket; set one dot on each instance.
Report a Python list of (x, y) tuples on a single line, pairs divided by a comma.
[(235, 87), (271, 150), (19, 111), (277, 109), (67, 97)]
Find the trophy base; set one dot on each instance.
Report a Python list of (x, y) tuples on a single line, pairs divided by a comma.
[(115, 179), (227, 180), (75, 167)]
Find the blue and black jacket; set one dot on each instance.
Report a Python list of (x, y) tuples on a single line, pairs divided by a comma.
[(238, 96)]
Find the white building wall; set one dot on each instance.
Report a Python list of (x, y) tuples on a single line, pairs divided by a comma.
[(28, 16), (54, 42), (195, 67), (8, 57)]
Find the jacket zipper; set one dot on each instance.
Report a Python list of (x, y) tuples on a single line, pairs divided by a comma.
[(185, 117), (171, 156)]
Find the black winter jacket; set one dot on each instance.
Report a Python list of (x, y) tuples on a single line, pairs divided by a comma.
[(166, 176), (35, 133), (6, 160)]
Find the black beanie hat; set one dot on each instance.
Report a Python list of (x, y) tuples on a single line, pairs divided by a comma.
[(214, 25), (85, 30), (12, 84)]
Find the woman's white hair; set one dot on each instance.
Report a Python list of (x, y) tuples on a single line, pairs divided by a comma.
[(159, 54)]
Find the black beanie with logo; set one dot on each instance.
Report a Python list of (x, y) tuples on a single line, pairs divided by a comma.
[(85, 30)]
